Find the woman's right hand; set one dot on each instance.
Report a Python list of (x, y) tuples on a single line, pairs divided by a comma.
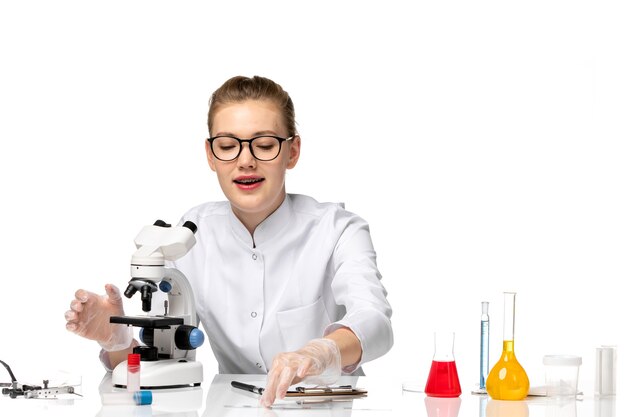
[(89, 316)]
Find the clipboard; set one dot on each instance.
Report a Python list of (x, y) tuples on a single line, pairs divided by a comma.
[(341, 391)]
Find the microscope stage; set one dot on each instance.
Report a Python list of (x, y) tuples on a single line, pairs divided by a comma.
[(150, 322)]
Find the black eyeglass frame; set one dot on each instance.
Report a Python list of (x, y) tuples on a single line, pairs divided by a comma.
[(249, 142)]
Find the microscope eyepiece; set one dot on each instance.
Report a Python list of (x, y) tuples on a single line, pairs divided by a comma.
[(191, 226)]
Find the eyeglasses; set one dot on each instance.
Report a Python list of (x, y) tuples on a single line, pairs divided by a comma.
[(263, 148)]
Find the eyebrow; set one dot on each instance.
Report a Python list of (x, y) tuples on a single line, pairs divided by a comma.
[(255, 134)]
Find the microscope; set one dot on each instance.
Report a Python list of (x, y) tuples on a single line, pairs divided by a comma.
[(169, 340)]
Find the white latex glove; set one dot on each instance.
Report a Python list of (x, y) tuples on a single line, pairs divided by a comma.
[(89, 317), (318, 362)]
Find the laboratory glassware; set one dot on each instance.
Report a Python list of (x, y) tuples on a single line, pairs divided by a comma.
[(443, 379), (484, 345), (507, 379)]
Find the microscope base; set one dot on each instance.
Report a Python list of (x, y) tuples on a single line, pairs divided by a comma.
[(164, 373)]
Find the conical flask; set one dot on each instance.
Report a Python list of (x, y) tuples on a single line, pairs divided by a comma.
[(507, 379), (443, 379)]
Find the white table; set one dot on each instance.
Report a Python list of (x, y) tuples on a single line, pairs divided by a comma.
[(216, 397)]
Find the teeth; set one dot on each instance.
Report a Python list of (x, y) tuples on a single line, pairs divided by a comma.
[(249, 180)]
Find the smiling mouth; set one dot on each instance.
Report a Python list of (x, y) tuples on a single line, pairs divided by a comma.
[(248, 181)]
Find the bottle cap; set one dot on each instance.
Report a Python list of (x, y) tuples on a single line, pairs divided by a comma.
[(134, 359), (142, 397), (562, 360)]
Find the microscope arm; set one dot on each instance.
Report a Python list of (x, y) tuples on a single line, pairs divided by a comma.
[(180, 296)]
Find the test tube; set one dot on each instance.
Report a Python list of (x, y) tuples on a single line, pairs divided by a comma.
[(133, 366), (126, 398)]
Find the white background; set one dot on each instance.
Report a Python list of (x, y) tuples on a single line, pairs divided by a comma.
[(484, 142)]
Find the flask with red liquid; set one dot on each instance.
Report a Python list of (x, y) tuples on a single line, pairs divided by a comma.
[(443, 379)]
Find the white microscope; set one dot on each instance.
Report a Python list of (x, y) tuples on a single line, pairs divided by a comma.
[(168, 354)]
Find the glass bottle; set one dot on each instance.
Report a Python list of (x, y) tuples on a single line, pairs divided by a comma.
[(507, 379), (443, 379)]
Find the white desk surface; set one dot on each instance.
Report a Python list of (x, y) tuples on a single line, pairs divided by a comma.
[(385, 398)]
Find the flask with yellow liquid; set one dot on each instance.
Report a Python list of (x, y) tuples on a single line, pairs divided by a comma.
[(507, 379)]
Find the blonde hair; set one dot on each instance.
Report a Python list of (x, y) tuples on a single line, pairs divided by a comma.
[(239, 89)]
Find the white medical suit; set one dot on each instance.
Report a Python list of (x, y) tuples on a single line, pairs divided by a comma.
[(309, 269)]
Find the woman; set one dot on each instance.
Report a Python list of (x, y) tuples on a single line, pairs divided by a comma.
[(283, 284)]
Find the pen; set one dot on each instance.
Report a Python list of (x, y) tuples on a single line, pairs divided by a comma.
[(247, 387)]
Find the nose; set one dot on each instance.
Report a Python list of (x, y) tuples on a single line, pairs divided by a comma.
[(245, 159)]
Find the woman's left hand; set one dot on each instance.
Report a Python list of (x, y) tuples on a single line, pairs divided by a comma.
[(318, 362)]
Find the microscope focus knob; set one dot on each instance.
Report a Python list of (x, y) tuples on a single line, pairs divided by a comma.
[(146, 335), (188, 337), (148, 353), (165, 286)]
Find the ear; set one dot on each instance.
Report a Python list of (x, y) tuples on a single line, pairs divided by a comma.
[(209, 155), (294, 152)]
